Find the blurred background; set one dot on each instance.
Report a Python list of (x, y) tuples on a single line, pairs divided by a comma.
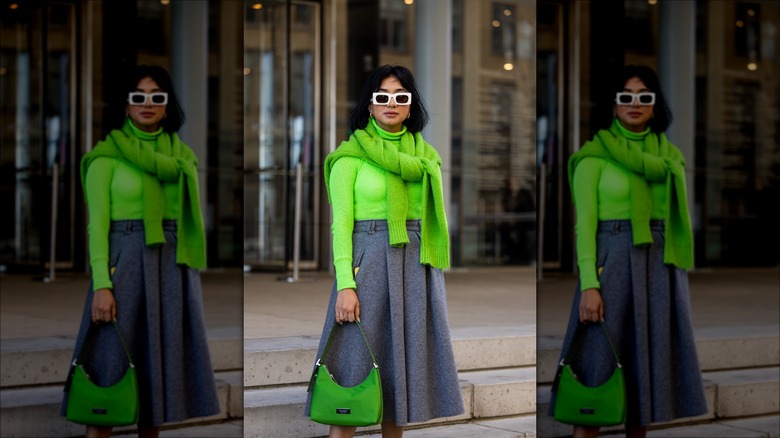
[(268, 86), (718, 62), (306, 63), (60, 60)]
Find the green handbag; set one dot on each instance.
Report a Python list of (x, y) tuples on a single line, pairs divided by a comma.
[(336, 405), (577, 404), (93, 405)]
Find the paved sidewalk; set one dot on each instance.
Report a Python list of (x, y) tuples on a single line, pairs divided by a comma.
[(476, 297), (723, 299), (31, 309), (261, 306)]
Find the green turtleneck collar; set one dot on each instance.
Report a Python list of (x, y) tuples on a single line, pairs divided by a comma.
[(143, 135), (391, 136), (630, 135)]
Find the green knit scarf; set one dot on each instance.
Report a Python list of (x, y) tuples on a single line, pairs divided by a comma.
[(660, 161), (168, 160), (413, 160)]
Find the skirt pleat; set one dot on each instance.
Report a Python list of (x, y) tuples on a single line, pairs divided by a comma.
[(403, 312), (160, 313), (647, 311)]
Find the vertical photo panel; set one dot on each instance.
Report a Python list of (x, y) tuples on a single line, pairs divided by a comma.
[(657, 291)]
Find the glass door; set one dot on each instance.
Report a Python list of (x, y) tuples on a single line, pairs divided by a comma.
[(38, 92), (282, 132), (550, 164)]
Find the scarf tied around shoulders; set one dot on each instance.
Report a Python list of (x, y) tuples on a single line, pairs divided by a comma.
[(413, 160), (171, 161), (660, 161)]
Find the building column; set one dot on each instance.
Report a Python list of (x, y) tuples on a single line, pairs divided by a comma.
[(433, 65), (677, 72), (189, 72)]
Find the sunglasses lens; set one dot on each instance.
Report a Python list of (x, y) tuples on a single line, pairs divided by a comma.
[(402, 99), (137, 99), (381, 98), (646, 99), (625, 99), (158, 99)]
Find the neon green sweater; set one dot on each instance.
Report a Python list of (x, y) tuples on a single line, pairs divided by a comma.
[(358, 192), (602, 192), (114, 192)]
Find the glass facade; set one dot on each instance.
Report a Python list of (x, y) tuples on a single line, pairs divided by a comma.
[(57, 68), (494, 131), (282, 146), (294, 69), (38, 134), (302, 80), (738, 133)]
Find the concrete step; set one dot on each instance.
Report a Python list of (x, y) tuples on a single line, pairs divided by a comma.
[(764, 426), (42, 361), (520, 426), (278, 412), (285, 361), (228, 429), (718, 349), (730, 395), (22, 409)]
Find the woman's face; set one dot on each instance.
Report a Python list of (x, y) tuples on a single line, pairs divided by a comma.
[(634, 116), (146, 116), (390, 116)]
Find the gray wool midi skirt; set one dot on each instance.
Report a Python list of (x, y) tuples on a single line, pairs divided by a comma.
[(647, 312), (159, 308), (403, 312)]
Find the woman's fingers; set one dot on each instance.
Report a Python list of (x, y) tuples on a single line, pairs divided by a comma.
[(591, 306), (103, 306), (347, 306)]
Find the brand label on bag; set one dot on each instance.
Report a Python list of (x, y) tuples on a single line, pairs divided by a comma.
[(100, 411), (587, 411), (343, 411)]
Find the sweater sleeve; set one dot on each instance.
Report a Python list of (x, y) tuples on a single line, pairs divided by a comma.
[(98, 181), (342, 194), (585, 186)]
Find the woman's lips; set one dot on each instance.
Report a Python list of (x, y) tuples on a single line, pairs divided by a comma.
[(391, 114)]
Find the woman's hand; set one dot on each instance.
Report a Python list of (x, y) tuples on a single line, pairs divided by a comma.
[(347, 306), (591, 306), (103, 306)]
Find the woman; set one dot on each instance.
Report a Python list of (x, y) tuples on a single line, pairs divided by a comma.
[(390, 244), (146, 242), (634, 243)]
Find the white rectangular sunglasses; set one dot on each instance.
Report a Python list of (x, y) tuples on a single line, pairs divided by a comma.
[(138, 98), (625, 98), (399, 98)]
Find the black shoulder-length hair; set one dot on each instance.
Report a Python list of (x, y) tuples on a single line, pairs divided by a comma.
[(174, 115), (662, 115), (418, 114)]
